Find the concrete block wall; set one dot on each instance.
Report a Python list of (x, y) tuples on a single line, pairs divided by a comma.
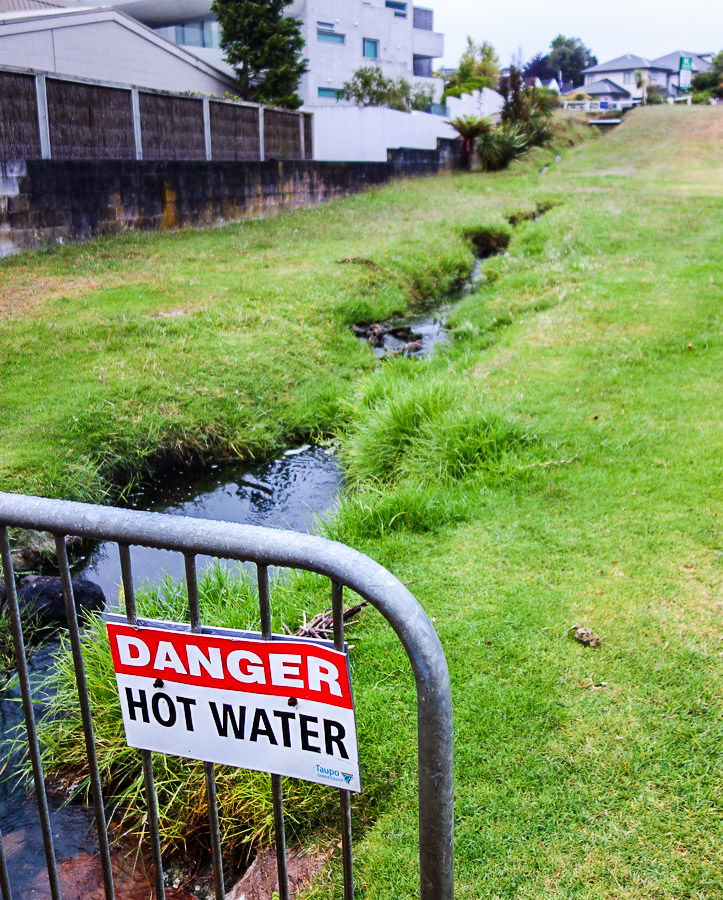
[(47, 202)]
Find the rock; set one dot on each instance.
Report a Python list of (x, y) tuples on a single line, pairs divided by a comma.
[(39, 551), (376, 335), (412, 347), (260, 879), (81, 878), (360, 331), (41, 597), (401, 332), (585, 635)]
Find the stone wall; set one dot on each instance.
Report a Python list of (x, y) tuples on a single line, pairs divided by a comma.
[(46, 202)]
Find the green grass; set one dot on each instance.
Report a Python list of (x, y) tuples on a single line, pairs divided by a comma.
[(558, 465)]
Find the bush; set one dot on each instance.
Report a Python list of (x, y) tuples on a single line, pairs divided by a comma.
[(370, 87), (702, 97), (500, 147)]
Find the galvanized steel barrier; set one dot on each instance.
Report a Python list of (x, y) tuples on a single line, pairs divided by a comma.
[(264, 547)]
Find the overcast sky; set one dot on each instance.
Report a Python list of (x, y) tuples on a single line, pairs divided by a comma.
[(649, 28)]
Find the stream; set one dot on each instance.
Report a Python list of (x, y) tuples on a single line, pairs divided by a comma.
[(292, 492), (289, 492)]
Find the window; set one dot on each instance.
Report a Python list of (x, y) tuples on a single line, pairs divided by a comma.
[(400, 9), (423, 18), (331, 93), (628, 78), (190, 34), (204, 33), (370, 48), (330, 37), (422, 66)]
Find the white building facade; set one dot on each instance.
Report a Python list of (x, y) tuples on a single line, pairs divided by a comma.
[(340, 37)]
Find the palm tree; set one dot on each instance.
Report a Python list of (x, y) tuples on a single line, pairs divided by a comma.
[(640, 83), (469, 128)]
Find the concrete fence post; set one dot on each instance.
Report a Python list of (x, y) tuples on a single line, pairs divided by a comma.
[(41, 97), (302, 137), (262, 148), (136, 113), (207, 128)]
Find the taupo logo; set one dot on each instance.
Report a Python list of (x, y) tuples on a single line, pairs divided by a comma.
[(346, 777)]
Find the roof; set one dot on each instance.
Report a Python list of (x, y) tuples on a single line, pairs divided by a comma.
[(11, 6), (672, 61), (604, 86), (621, 63), (48, 17)]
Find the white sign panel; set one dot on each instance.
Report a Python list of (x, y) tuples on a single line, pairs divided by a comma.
[(282, 706)]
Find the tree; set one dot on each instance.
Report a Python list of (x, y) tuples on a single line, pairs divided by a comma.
[(369, 86), (479, 67), (264, 47), (640, 84), (469, 128), (539, 67), (710, 83), (570, 56), (478, 61)]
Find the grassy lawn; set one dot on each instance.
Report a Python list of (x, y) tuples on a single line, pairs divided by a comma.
[(558, 465)]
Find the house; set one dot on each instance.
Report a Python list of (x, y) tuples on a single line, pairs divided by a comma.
[(340, 37), (634, 74), (672, 62), (604, 91), (551, 84), (622, 72), (101, 44)]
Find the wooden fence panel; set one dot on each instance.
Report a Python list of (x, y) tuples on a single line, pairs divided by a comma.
[(19, 135), (172, 127), (234, 132)]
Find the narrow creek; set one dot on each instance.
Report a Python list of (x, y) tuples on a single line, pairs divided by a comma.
[(292, 492)]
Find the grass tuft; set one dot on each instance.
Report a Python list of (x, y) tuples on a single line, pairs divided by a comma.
[(245, 804)]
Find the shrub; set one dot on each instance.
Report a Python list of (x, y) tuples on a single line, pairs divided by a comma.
[(702, 97), (469, 128), (370, 87), (498, 148)]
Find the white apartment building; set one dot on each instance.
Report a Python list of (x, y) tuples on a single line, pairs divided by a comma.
[(343, 35), (340, 37)]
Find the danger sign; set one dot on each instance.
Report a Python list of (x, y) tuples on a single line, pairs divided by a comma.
[(282, 706)]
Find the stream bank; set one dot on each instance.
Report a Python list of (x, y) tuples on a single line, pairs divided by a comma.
[(289, 492)]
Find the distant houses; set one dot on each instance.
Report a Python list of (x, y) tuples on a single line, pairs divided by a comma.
[(625, 79)]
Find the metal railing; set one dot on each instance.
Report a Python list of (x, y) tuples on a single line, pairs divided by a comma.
[(263, 547)]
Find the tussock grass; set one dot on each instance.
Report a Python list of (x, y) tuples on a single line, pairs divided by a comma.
[(245, 804)]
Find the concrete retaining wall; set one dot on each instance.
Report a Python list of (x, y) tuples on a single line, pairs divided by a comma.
[(45, 202)]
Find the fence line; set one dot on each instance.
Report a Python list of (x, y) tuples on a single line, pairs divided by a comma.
[(50, 116)]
